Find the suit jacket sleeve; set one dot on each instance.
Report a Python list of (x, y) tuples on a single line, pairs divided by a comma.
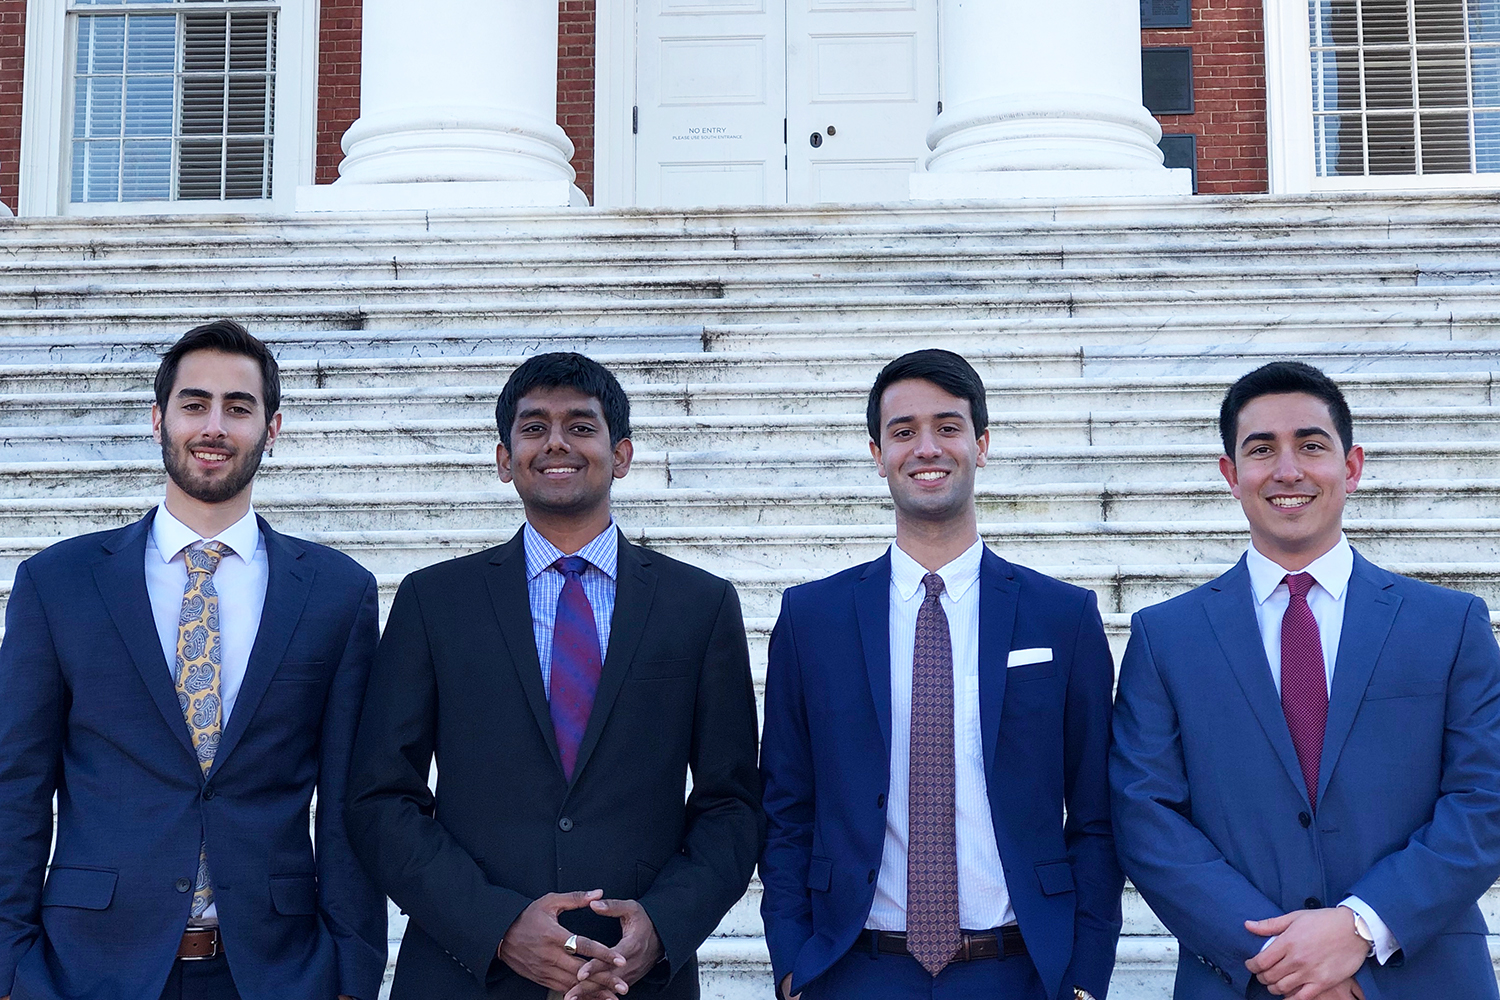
[(1201, 898), (787, 770), (390, 806), (1088, 831), (351, 907), (33, 707), (723, 828), (1450, 862)]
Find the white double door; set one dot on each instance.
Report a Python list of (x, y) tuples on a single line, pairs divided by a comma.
[(769, 102)]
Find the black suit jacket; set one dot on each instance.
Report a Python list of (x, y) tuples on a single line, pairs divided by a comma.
[(457, 677)]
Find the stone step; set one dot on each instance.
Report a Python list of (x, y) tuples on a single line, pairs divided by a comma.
[(801, 549), (740, 433), (1065, 396)]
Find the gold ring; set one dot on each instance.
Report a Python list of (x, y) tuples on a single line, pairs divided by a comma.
[(571, 945)]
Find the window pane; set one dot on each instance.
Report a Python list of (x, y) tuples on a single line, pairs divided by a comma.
[(1487, 141), (1385, 22), (1335, 81), (1442, 78), (148, 105), (200, 173), (105, 45), (101, 171), (1445, 143), (103, 105), (1484, 20), (151, 43), (1485, 64), (1439, 21), (246, 172), (203, 105), (1388, 79), (147, 171), (249, 43), (1393, 144), (1339, 145)]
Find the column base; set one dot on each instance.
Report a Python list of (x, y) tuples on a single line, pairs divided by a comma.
[(1002, 185), (417, 196)]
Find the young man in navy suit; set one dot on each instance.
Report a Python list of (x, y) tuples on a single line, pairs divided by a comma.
[(935, 746), (182, 685), (1306, 767)]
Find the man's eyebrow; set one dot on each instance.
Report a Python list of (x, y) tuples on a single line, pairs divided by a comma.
[(244, 397), (1302, 432), (899, 420), (573, 414), (194, 394)]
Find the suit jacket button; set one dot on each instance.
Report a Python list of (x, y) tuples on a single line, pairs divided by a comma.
[(871, 878), (1313, 903), (1304, 819), (880, 801), (565, 824), (183, 885), (209, 793)]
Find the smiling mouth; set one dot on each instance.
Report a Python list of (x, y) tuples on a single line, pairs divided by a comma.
[(560, 471), (1290, 503), (928, 477), (212, 457)]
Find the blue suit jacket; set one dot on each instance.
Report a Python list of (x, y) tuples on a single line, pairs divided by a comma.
[(88, 711), (1045, 730), (1212, 816)]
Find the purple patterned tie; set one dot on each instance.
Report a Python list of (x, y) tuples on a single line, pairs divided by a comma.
[(575, 662), (932, 933), (1304, 682)]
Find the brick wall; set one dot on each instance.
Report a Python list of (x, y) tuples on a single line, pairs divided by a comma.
[(1229, 94), (12, 59), (338, 81), (575, 85)]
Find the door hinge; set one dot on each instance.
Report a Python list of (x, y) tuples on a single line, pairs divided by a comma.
[(635, 120), (940, 107), (783, 131)]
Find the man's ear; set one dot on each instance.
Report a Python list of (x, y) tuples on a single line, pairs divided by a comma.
[(879, 463), (272, 430), (1231, 475), (624, 452), (1354, 468), (984, 448), (156, 418), (502, 462)]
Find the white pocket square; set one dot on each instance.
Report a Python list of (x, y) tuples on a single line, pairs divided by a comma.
[(1024, 657)]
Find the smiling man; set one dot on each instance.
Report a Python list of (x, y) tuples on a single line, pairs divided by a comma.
[(935, 745), (183, 685), (1306, 767), (568, 684)]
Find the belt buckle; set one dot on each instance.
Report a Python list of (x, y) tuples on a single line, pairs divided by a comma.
[(214, 942)]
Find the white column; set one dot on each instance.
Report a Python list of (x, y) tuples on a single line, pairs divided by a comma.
[(458, 109), (1042, 98)]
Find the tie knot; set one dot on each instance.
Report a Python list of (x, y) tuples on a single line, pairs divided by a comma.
[(571, 565), (206, 558), (934, 585), (1300, 584)]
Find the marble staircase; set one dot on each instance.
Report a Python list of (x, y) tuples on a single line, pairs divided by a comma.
[(747, 339)]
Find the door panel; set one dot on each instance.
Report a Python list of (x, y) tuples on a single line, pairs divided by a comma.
[(711, 88)]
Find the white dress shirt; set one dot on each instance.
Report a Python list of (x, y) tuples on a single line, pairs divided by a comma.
[(983, 899), (1330, 573), (241, 584)]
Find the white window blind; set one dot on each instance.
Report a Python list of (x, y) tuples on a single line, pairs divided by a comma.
[(173, 100)]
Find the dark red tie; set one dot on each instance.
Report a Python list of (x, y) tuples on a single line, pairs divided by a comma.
[(1304, 682), (932, 934), (575, 662)]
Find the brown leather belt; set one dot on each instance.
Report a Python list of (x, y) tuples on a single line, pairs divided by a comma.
[(1002, 942), (199, 943)]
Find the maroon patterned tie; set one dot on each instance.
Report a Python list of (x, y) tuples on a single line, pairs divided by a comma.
[(932, 933), (1304, 682)]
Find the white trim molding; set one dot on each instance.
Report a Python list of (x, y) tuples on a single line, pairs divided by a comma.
[(615, 39)]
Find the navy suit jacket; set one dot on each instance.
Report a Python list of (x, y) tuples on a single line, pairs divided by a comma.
[(88, 711), (1212, 815), (1045, 729)]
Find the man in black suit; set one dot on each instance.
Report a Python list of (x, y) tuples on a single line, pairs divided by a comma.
[(567, 682)]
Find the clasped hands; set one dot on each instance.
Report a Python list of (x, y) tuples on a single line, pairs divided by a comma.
[(533, 946), (1314, 957)]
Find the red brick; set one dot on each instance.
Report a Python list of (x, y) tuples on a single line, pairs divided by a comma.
[(12, 61)]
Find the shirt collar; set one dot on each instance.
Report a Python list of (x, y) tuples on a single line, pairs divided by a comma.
[(1331, 571), (602, 553), (958, 576), (171, 536)]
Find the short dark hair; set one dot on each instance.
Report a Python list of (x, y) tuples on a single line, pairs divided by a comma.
[(944, 369), (229, 337), (565, 370), (1277, 378)]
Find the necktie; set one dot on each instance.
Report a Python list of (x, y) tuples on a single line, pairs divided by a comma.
[(1304, 682), (198, 664), (932, 933), (575, 662)]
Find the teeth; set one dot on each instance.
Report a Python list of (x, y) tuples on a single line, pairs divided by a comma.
[(1291, 501), (929, 475), (209, 456), (557, 472)]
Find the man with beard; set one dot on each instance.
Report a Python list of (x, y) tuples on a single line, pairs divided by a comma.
[(182, 685)]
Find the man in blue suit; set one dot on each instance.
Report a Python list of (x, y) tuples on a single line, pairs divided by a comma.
[(182, 685), (936, 743), (1306, 768)]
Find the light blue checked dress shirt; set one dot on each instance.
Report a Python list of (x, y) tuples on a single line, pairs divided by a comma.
[(545, 584)]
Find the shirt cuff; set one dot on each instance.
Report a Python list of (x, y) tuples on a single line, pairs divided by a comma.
[(1386, 944)]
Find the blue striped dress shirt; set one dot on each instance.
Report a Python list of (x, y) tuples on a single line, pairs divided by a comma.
[(544, 583)]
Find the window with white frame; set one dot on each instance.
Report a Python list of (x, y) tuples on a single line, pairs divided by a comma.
[(1405, 87), (172, 101)]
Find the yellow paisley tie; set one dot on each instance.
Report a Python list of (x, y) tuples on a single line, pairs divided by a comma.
[(198, 678)]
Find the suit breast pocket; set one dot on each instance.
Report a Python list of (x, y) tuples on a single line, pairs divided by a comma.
[(305, 672)]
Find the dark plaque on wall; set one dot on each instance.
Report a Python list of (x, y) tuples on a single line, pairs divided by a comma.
[(1181, 151), (1167, 79), (1166, 13)]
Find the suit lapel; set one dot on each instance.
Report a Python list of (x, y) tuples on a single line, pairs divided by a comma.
[(998, 598), (872, 606), (1230, 606), (635, 589), (288, 583), (506, 579), (1369, 610), (121, 579)]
